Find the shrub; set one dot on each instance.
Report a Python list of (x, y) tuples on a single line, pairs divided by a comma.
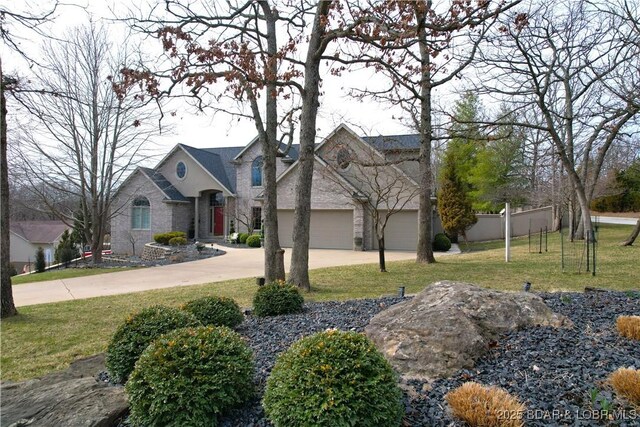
[(164, 238), (40, 262), (189, 376), (441, 243), (177, 241), (277, 298), (12, 270), (629, 326), (215, 311), (253, 241), (242, 238), (137, 332), (232, 227), (478, 405), (626, 383), (333, 378)]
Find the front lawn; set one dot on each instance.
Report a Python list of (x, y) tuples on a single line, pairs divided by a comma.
[(48, 337), (66, 273)]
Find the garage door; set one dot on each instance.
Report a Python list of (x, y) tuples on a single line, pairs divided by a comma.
[(329, 229), (401, 232)]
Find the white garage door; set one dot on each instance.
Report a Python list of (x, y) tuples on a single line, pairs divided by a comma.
[(401, 232), (329, 229)]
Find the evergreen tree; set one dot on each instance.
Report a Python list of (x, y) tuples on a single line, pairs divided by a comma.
[(466, 138), (40, 261), (66, 251), (454, 205), (498, 175)]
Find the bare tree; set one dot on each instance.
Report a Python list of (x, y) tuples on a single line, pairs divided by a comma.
[(374, 181), (420, 46), (31, 22), (237, 45), (578, 69), (231, 52), (88, 139)]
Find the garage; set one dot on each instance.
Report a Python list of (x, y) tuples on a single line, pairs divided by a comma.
[(330, 229), (401, 233)]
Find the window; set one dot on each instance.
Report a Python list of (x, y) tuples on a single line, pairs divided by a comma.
[(216, 199), (256, 217), (181, 170), (343, 158), (140, 214), (256, 172)]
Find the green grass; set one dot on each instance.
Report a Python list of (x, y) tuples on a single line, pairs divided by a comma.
[(63, 274), (48, 337)]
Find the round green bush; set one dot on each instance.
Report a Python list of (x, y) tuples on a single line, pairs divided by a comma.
[(165, 238), (333, 378), (137, 332), (441, 243), (277, 298), (253, 241), (177, 241), (189, 376), (242, 238), (215, 311)]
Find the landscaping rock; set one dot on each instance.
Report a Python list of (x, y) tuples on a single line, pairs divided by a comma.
[(449, 325), (72, 397)]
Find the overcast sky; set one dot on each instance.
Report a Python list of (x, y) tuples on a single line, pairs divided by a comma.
[(205, 130)]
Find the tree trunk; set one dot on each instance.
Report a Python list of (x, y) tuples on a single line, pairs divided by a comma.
[(299, 274), (383, 266), (424, 251), (8, 307), (273, 263), (633, 236)]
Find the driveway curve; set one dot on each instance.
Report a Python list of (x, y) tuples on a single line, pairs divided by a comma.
[(237, 263)]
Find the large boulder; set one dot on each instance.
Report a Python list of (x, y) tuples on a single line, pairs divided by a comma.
[(72, 397), (447, 326)]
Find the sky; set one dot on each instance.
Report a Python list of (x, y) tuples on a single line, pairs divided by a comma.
[(220, 130)]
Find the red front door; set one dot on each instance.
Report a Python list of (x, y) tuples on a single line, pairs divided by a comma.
[(218, 221)]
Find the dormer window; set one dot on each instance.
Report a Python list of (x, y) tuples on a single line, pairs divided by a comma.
[(256, 172)]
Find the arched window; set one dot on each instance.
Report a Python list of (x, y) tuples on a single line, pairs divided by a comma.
[(256, 172), (140, 214)]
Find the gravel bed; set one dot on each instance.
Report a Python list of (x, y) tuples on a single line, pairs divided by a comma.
[(552, 370)]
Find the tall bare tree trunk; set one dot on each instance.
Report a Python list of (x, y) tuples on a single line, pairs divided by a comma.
[(299, 274), (424, 251), (633, 236), (273, 263), (8, 307)]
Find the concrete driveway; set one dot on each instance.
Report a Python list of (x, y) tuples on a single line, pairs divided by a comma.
[(235, 264)]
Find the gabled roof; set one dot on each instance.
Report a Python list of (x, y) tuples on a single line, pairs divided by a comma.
[(211, 161), (393, 142), (170, 192), (293, 150), (39, 231), (407, 141), (227, 155)]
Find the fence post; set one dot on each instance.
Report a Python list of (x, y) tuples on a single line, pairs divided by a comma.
[(507, 232)]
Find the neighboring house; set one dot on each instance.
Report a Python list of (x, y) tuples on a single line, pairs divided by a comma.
[(200, 191), (27, 236)]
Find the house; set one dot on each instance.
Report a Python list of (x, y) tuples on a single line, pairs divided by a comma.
[(27, 236), (201, 191)]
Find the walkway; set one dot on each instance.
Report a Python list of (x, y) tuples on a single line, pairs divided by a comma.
[(237, 263)]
